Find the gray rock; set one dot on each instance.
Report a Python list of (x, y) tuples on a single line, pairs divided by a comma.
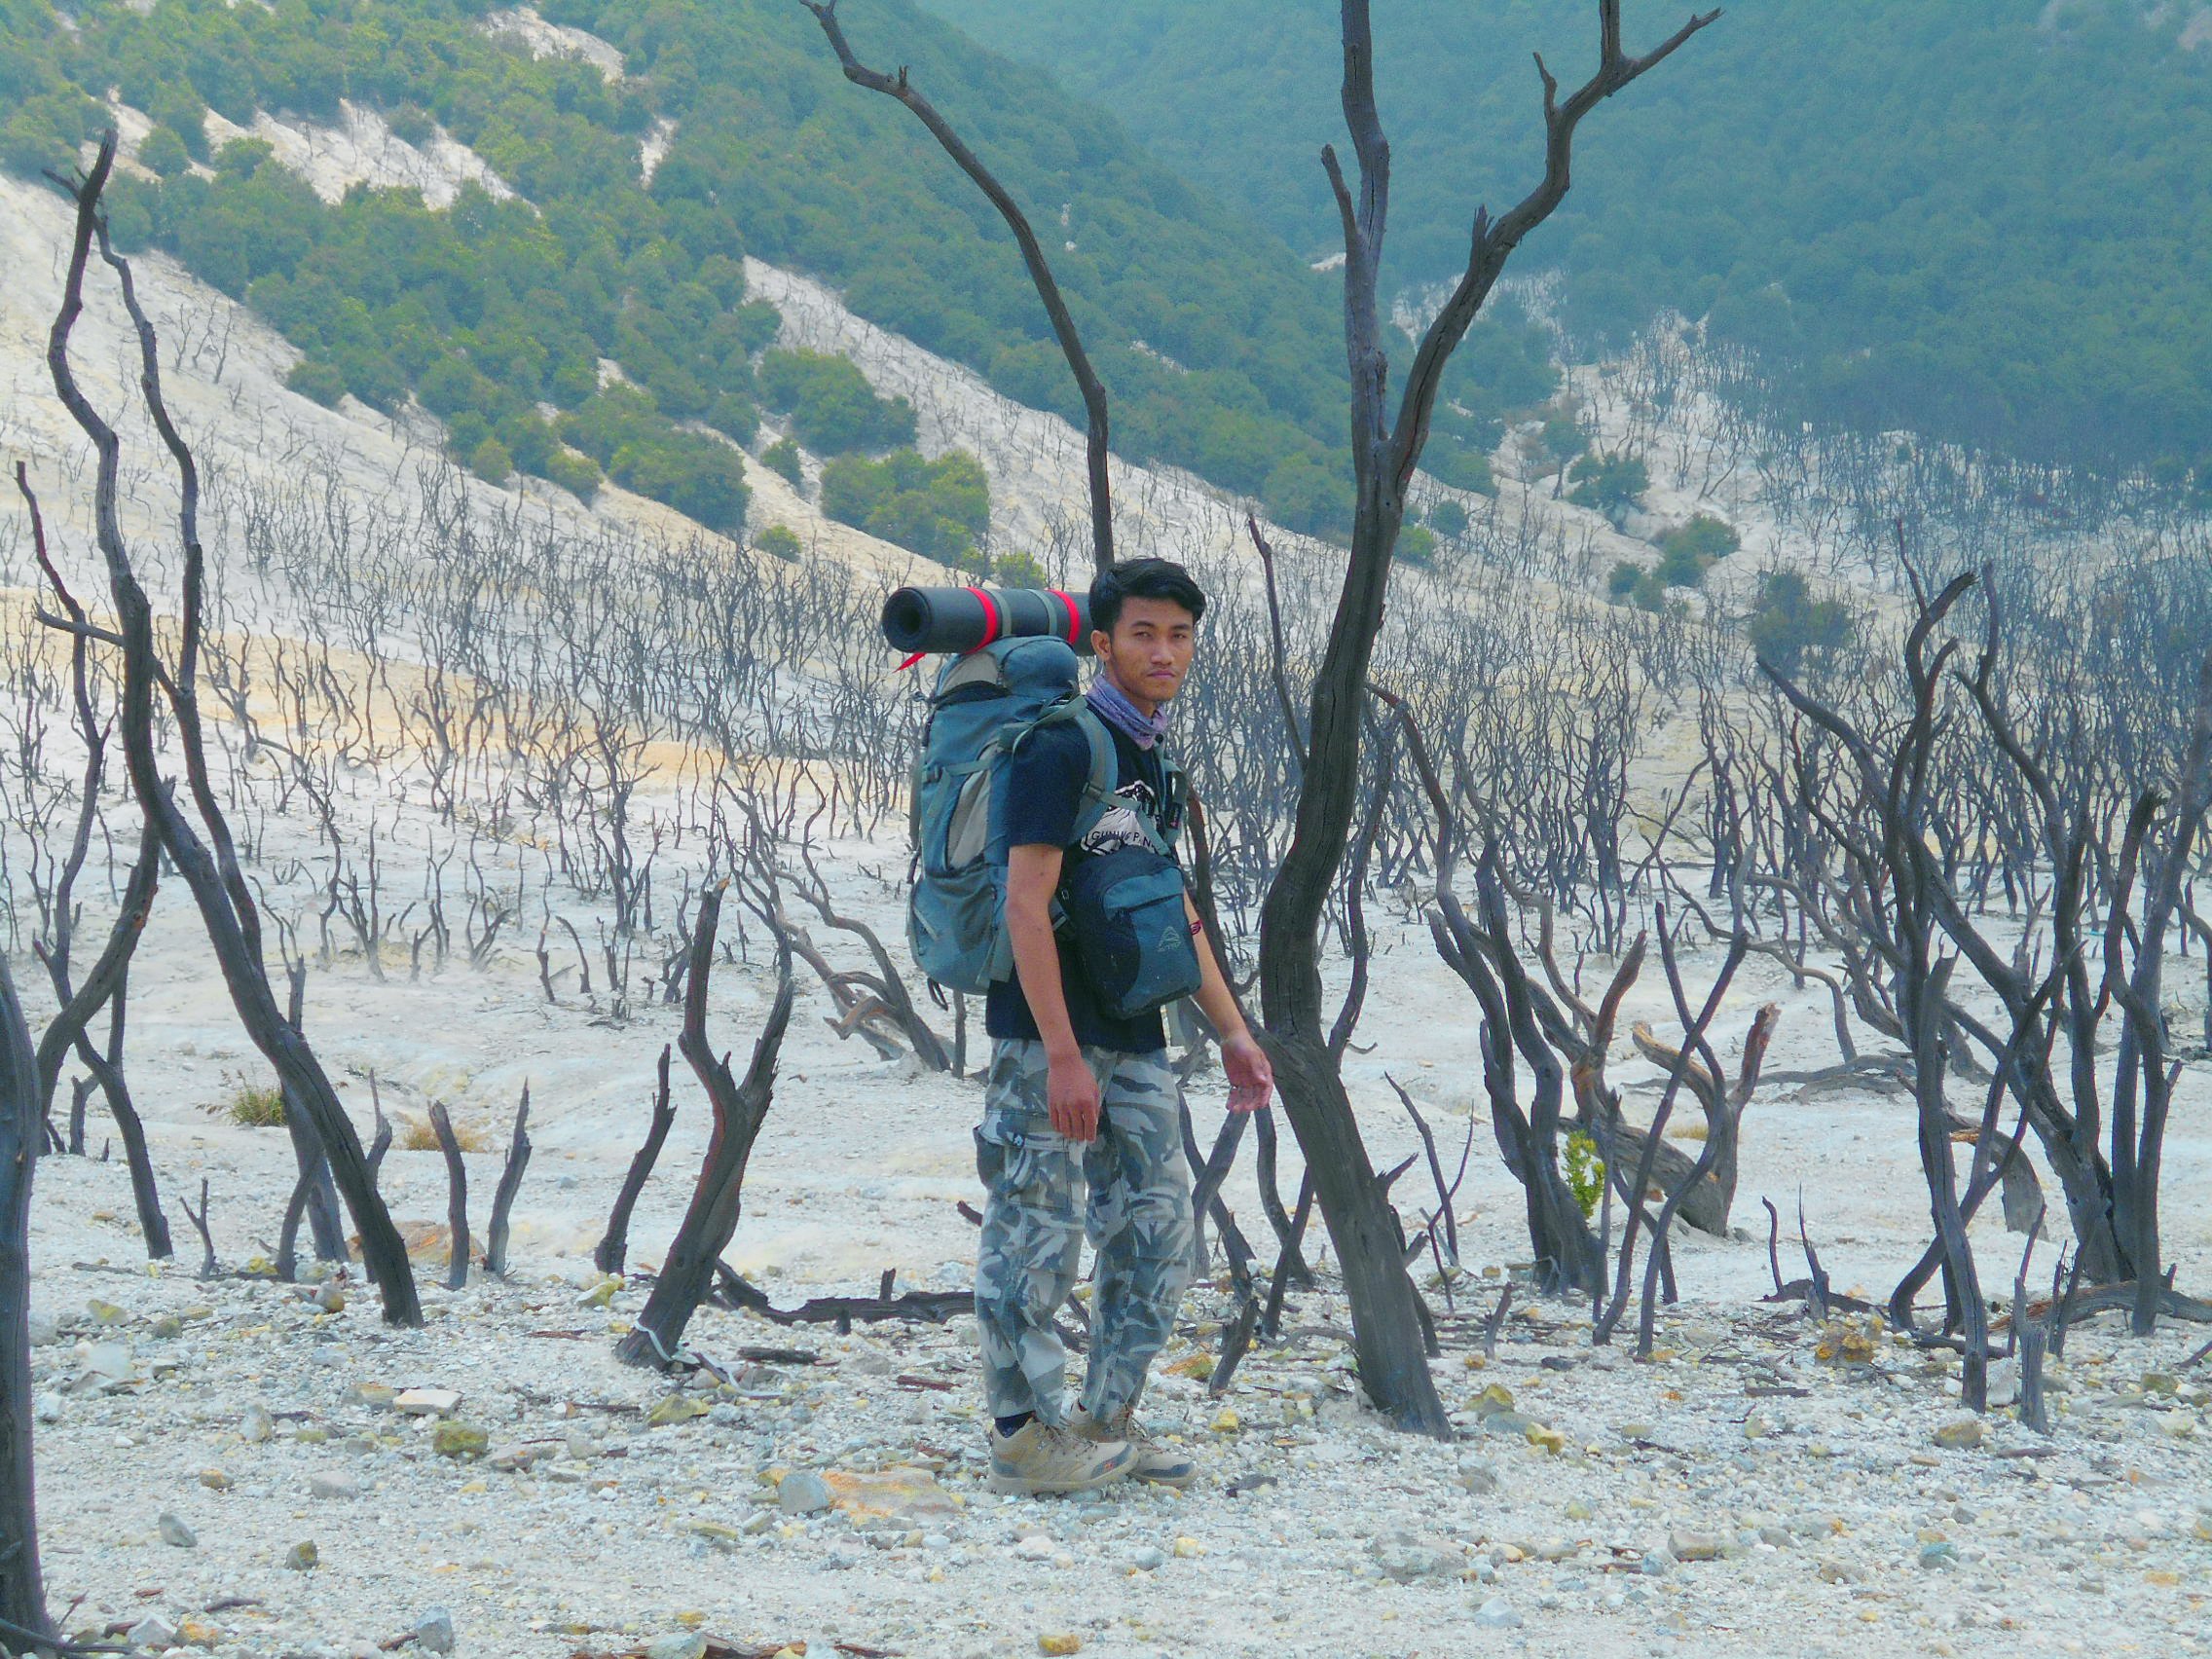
[(1939, 1557), (1404, 1559), (255, 1424), (45, 1329), (303, 1555), (1778, 1536), (433, 1632), (333, 1483), (1658, 1562), (154, 1632), (1961, 1433), (802, 1493), (1478, 1476), (328, 1353), (682, 1644), (1497, 1613), (1148, 1558), (726, 1415), (1687, 1544), (48, 1407), (175, 1531)]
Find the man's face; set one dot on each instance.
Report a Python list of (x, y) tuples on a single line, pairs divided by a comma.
[(1148, 651)]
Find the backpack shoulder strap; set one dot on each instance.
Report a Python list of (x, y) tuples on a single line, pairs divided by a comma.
[(1105, 769)]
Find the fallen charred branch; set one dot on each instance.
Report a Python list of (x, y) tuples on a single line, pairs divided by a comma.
[(920, 1306)]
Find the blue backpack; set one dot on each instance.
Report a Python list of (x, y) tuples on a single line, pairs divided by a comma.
[(987, 704)]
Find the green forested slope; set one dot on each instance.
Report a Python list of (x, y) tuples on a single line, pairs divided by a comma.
[(1987, 218), (1220, 349)]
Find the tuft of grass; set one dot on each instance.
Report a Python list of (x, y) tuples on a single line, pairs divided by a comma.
[(254, 1108), (419, 1136)]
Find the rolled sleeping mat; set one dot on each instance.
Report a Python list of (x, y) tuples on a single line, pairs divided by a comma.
[(920, 620)]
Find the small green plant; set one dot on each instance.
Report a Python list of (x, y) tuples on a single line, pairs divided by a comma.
[(1417, 545), (256, 1108), (782, 458), (1448, 518), (1019, 570), (1585, 1172), (778, 542)]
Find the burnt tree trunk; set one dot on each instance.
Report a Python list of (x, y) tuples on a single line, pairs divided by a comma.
[(218, 885), (1386, 450), (615, 1245), (740, 1108), (23, 1589)]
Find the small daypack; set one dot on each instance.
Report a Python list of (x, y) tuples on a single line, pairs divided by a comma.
[(987, 704)]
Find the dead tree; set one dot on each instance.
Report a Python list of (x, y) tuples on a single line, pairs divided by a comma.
[(208, 863), (23, 1589), (615, 1245), (504, 1195), (739, 1109), (1894, 790), (1385, 451), (457, 1195), (1032, 255), (1705, 1204)]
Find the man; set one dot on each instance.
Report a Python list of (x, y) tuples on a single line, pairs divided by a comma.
[(1077, 1098)]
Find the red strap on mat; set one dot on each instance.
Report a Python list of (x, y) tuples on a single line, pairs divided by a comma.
[(1075, 618)]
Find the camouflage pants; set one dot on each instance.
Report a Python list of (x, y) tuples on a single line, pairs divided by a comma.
[(1138, 1219)]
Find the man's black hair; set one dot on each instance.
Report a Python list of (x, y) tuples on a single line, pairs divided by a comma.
[(1143, 579)]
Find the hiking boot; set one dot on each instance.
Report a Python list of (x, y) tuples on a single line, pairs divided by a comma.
[(1152, 1461), (1039, 1458)]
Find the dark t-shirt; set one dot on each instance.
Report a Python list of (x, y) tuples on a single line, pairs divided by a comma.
[(1041, 792)]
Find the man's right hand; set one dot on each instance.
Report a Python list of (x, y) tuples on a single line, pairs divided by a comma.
[(1072, 1094)]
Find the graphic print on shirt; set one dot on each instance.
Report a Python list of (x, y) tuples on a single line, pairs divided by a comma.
[(1125, 825)]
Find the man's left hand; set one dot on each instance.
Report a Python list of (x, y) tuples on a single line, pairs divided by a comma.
[(1251, 1079)]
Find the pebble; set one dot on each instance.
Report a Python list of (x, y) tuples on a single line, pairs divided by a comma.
[(679, 1644), (1404, 1559), (154, 1632), (1150, 1558), (1060, 1643), (803, 1492), (1938, 1556), (427, 1402), (255, 1424), (48, 1407), (1684, 1544), (215, 1480), (1497, 1613), (1961, 1433), (1478, 1476), (175, 1531), (455, 1439), (333, 1483), (433, 1632), (303, 1555)]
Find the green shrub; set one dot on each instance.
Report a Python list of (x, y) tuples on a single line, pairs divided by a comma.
[(322, 382), (1563, 439), (700, 477), (490, 462), (1448, 518), (411, 123), (164, 151), (937, 508), (778, 542), (529, 440), (782, 458), (574, 473), (1416, 544), (1689, 550), (465, 432), (1585, 1172), (1612, 484), (1461, 467), (1019, 570), (1788, 624), (832, 409), (734, 416), (1621, 585)]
